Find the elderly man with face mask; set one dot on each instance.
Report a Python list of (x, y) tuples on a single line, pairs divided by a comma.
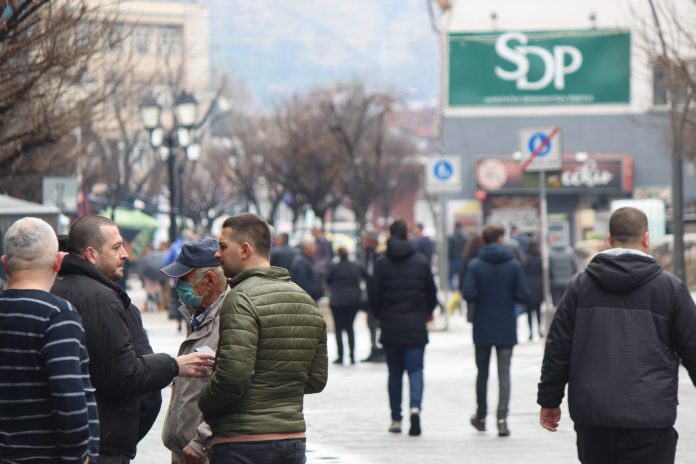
[(201, 287)]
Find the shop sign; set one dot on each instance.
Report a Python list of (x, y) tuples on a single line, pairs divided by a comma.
[(606, 173), (514, 68)]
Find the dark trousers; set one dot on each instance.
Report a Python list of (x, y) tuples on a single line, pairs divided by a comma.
[(534, 310), (344, 316), (613, 445), (260, 452), (372, 325), (483, 360), (398, 361)]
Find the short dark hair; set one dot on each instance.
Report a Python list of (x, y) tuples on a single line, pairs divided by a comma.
[(399, 229), (627, 225), (86, 232), (283, 238), (343, 252), (248, 227), (491, 233)]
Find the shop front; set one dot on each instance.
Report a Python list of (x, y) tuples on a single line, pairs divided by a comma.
[(579, 195)]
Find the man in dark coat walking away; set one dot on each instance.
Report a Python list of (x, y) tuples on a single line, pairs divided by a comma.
[(494, 282), (126, 374), (617, 338), (403, 297)]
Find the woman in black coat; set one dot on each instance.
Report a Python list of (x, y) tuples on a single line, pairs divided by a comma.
[(343, 279), (533, 271)]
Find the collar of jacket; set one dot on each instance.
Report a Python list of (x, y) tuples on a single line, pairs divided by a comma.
[(270, 272), (74, 265)]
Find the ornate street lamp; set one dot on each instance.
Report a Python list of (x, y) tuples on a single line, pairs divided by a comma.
[(166, 140)]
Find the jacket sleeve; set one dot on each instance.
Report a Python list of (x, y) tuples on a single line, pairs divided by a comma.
[(522, 291), (236, 356), (319, 369), (554, 368), (115, 367), (470, 289), (683, 330)]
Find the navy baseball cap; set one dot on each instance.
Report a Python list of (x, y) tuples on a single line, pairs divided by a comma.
[(197, 253)]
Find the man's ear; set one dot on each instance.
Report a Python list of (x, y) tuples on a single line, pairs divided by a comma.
[(645, 240), (5, 265), (610, 241), (59, 261), (91, 255), (246, 250)]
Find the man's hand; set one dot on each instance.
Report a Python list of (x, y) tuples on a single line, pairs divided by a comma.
[(549, 418), (87, 460), (195, 364), (190, 456)]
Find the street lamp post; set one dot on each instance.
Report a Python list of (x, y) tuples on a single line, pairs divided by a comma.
[(167, 140)]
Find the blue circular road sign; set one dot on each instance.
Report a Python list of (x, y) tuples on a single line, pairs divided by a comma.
[(443, 170), (537, 139)]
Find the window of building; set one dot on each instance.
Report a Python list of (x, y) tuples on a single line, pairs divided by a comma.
[(169, 40), (142, 35), (671, 86)]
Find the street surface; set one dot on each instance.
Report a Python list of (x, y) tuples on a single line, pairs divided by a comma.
[(347, 423)]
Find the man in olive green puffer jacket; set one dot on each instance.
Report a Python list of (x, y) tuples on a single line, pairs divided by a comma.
[(272, 351)]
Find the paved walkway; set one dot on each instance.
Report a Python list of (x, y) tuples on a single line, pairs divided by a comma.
[(347, 422)]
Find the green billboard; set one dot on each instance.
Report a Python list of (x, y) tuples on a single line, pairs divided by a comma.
[(539, 68)]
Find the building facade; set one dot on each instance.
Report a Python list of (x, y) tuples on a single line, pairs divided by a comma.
[(586, 68)]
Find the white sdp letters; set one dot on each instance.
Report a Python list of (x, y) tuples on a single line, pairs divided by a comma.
[(555, 68)]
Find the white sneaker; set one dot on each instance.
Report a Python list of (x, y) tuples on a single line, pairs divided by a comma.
[(395, 427)]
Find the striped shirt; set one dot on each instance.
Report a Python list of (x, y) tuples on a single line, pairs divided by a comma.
[(47, 408)]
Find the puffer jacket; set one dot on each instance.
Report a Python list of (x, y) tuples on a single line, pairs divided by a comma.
[(271, 352), (402, 295), (495, 282), (616, 340), (126, 375), (184, 425)]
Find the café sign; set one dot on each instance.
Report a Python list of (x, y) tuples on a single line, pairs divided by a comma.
[(513, 68), (605, 173)]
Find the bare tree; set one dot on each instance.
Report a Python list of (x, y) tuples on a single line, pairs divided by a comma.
[(46, 48)]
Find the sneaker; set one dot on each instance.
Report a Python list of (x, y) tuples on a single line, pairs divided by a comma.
[(338, 361), (395, 427), (503, 430), (415, 429), (479, 423)]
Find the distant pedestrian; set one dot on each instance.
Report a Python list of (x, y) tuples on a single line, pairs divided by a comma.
[(562, 268), (455, 253), (495, 282), (403, 297), (618, 336), (323, 254), (344, 280), (272, 352), (302, 269), (471, 251), (201, 287), (423, 244), (370, 241), (533, 270), (282, 254), (47, 411)]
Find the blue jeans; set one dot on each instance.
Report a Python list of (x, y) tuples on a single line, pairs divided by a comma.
[(260, 452), (398, 361)]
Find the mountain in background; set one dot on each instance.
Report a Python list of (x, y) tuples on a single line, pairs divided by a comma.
[(279, 47)]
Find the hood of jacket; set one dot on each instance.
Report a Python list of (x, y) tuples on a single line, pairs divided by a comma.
[(495, 253), (623, 272), (399, 249), (74, 265)]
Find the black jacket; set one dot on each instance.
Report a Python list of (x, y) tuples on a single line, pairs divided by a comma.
[(126, 375), (617, 338), (344, 278), (303, 274), (402, 295)]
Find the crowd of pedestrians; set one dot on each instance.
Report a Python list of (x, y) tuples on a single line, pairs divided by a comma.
[(87, 386)]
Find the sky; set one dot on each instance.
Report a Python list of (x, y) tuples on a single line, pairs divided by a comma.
[(279, 47)]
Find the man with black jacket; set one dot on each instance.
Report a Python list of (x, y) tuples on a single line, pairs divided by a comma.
[(126, 374), (617, 338), (403, 296)]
